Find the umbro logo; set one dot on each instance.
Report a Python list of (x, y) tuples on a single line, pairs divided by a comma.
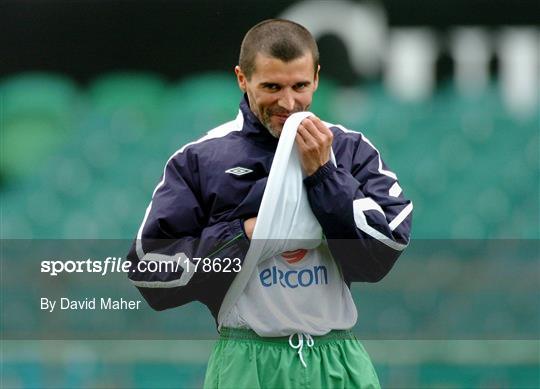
[(238, 171)]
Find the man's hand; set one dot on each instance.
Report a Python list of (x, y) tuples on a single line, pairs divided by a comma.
[(249, 226), (314, 142)]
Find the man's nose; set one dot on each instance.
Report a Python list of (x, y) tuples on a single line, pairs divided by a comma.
[(286, 100)]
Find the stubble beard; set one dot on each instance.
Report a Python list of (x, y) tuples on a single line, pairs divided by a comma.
[(266, 119), (265, 115)]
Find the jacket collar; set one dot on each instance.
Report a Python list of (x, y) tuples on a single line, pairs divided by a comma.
[(253, 127)]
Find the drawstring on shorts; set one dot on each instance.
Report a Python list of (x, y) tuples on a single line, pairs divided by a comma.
[(244, 334), (309, 342)]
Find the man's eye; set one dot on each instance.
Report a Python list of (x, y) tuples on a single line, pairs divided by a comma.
[(272, 87), (301, 85)]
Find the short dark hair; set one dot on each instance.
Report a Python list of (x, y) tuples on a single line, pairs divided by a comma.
[(277, 38)]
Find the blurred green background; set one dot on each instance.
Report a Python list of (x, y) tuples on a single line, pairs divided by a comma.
[(81, 155), (83, 162)]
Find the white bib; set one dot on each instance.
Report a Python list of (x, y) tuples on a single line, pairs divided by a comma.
[(289, 281)]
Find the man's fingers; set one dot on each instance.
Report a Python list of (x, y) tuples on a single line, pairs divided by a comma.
[(313, 144), (310, 140), (310, 126), (249, 226), (308, 130), (322, 127), (303, 132), (317, 130), (300, 140)]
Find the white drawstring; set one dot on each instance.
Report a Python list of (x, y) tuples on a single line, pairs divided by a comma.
[(300, 345)]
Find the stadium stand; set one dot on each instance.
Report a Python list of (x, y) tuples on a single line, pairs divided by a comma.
[(83, 162), (80, 147)]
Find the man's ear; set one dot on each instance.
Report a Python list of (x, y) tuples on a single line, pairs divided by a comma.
[(241, 78), (316, 78)]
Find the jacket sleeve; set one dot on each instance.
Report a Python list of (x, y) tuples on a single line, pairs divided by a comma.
[(174, 230), (364, 215)]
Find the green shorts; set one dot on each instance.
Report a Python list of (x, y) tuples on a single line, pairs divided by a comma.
[(242, 359)]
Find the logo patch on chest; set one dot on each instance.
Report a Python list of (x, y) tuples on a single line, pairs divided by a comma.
[(294, 256), (238, 171)]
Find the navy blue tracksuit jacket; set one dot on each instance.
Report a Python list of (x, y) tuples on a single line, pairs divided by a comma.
[(209, 187)]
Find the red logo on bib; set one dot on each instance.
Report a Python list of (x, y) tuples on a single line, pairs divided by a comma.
[(294, 255)]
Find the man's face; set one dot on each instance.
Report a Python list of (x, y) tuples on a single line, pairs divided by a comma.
[(278, 89)]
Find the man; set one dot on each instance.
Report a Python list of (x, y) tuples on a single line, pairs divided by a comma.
[(290, 327)]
